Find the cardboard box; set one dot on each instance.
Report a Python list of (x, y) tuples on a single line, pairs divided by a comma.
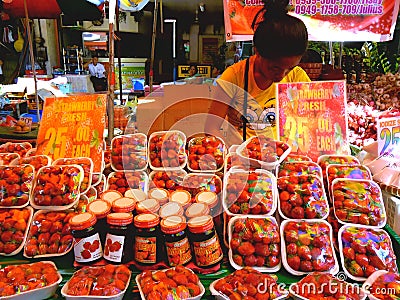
[(150, 116), (182, 107)]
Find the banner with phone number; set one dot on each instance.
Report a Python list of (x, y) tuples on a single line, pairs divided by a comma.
[(73, 127), (312, 117), (326, 20)]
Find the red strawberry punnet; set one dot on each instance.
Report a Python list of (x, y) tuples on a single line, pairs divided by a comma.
[(365, 250), (308, 247), (254, 242)]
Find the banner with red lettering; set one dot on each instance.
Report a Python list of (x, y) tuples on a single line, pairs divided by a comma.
[(312, 117), (73, 127), (326, 20)]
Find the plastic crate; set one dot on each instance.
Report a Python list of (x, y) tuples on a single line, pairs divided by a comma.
[(392, 206), (65, 88)]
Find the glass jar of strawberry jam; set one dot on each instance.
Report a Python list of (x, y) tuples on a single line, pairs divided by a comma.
[(147, 249), (176, 240), (124, 204), (100, 209), (205, 242), (87, 246), (119, 238)]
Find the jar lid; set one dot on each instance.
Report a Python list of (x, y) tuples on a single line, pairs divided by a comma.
[(82, 221), (124, 204), (158, 193), (207, 197), (200, 224), (100, 208), (181, 196), (170, 209), (148, 205), (173, 224), (120, 218), (196, 210), (146, 220), (110, 196), (136, 194)]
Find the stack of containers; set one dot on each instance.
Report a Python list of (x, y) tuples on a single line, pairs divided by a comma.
[(303, 207)]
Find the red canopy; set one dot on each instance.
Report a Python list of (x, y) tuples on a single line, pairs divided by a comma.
[(78, 10), (37, 9)]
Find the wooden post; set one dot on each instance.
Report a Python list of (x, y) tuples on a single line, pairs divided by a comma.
[(153, 45), (111, 72), (32, 58)]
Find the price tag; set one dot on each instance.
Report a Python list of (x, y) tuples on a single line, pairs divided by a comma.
[(312, 117), (73, 127), (27, 121), (389, 137)]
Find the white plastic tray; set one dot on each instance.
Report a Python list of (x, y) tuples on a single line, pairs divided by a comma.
[(370, 281), (230, 253), (42, 211), (181, 151), (198, 297), (322, 197), (40, 293), (219, 296), (118, 296), (30, 184), (143, 182), (18, 250), (332, 271), (68, 161), (295, 296), (222, 149), (306, 164), (382, 205), (141, 150), (260, 172), (344, 227), (241, 151), (56, 207)]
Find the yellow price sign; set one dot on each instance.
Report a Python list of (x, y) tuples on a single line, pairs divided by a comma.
[(73, 127), (56, 142), (299, 133)]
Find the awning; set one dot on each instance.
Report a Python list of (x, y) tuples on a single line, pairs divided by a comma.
[(77, 10)]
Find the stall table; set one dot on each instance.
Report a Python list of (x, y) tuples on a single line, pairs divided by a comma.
[(80, 83), (66, 269), (7, 134)]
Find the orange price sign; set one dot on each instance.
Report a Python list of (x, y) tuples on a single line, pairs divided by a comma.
[(312, 117), (73, 127)]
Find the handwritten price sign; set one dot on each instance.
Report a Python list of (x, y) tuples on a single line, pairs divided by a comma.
[(73, 127), (389, 137), (312, 117)]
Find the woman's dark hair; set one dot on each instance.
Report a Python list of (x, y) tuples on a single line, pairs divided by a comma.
[(278, 34), (195, 67)]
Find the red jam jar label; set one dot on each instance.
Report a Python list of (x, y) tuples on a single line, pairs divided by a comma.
[(178, 252), (113, 249), (207, 252), (87, 249), (145, 250)]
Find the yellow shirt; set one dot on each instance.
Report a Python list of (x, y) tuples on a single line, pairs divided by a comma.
[(261, 108)]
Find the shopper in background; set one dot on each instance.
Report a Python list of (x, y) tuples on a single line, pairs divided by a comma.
[(1, 71), (98, 74), (193, 71), (194, 76), (280, 40)]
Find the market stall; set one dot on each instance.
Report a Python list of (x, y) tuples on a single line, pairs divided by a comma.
[(165, 210), (169, 173)]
